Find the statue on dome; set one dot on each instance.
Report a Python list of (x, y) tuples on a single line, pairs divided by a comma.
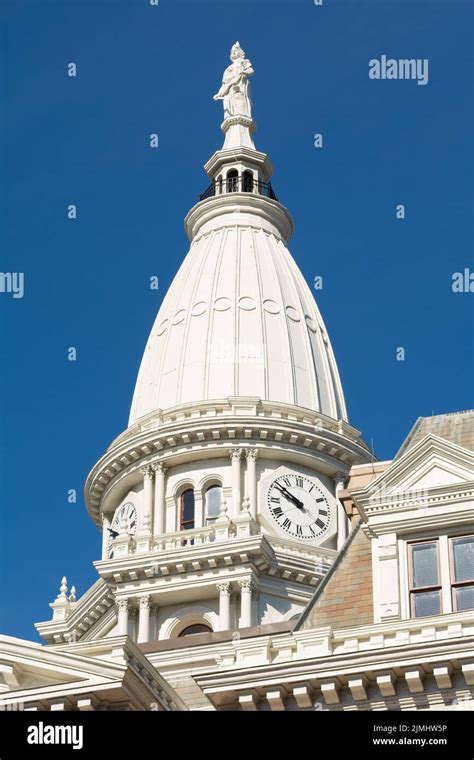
[(234, 90)]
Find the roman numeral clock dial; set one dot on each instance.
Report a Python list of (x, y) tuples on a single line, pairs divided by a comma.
[(299, 506), (127, 512)]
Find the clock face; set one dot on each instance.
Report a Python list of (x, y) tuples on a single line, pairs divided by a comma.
[(128, 512), (299, 507)]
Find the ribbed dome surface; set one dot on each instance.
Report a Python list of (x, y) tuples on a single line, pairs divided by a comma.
[(238, 320)]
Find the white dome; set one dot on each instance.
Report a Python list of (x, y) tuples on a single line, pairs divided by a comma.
[(238, 319)]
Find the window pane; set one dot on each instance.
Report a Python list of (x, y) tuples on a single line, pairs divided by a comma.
[(213, 501), (427, 603), (465, 598), (463, 549), (425, 565), (196, 628), (187, 509)]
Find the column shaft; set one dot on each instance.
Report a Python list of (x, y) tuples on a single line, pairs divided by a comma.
[(147, 499), (144, 620), (252, 481), (224, 606), (105, 536), (235, 456), (342, 528), (159, 512), (342, 521), (123, 605), (245, 603)]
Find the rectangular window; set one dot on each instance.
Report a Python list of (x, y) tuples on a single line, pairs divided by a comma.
[(462, 572), (425, 586)]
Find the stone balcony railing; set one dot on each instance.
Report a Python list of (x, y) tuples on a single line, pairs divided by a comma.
[(180, 539), (222, 529)]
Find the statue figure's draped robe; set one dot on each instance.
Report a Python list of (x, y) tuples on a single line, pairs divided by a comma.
[(235, 88)]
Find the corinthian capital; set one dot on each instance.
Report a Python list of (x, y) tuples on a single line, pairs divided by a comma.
[(148, 472), (251, 455), (235, 455), (159, 467), (144, 602), (123, 604)]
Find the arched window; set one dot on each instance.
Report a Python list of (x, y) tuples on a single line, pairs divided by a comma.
[(186, 521), (247, 182), (219, 185), (232, 181), (196, 628), (213, 503)]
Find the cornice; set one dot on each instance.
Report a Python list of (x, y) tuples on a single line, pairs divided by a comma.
[(305, 567), (184, 433), (338, 668), (443, 506), (241, 154), (87, 611), (247, 209)]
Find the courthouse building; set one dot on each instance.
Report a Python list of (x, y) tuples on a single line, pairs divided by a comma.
[(255, 555)]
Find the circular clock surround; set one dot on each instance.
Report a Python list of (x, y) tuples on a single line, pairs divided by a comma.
[(128, 511), (299, 507)]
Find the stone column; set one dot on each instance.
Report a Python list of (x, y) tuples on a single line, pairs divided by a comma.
[(342, 519), (132, 622), (143, 619), (160, 504), (148, 475), (153, 626), (235, 456), (105, 535), (224, 606), (123, 607), (251, 455), (255, 597), (245, 603)]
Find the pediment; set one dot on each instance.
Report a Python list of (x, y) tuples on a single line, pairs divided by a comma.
[(434, 464), (433, 473), (36, 676), (25, 665)]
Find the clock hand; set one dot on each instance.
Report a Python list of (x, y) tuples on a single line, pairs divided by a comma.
[(289, 496)]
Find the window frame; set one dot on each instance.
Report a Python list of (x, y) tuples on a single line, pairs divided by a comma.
[(454, 584), (412, 590)]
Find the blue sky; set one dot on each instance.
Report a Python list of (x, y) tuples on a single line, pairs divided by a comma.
[(84, 140)]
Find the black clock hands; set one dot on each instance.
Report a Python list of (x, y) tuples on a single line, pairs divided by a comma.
[(289, 496)]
